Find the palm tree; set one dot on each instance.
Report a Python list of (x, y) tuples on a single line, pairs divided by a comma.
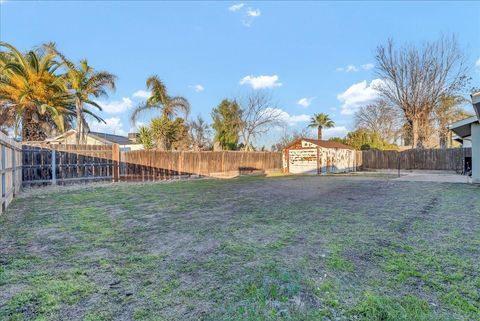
[(84, 82), (159, 99), (321, 121), (32, 95)]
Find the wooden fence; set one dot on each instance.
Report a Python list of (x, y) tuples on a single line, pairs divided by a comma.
[(451, 159), (10, 169), (45, 164), (157, 165)]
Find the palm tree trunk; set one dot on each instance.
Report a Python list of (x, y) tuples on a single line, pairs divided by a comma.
[(319, 132), (78, 107), (31, 128)]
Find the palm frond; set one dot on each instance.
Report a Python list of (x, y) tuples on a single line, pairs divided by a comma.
[(140, 109)]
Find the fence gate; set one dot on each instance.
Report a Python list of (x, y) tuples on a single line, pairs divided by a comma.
[(63, 164)]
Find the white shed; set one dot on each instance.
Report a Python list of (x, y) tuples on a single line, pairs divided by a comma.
[(313, 156)]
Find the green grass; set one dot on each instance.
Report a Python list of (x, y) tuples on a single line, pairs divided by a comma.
[(282, 248)]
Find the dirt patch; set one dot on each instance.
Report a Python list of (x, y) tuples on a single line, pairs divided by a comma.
[(421, 215)]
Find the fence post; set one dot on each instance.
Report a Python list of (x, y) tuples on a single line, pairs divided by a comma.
[(4, 188), (14, 171), (115, 163), (54, 166)]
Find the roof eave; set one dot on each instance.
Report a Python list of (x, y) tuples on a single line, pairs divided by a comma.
[(476, 103)]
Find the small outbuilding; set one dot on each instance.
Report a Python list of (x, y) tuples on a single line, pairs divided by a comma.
[(314, 156)]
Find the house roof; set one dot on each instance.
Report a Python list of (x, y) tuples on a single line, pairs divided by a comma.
[(116, 139), (103, 137), (476, 103), (322, 143), (463, 127)]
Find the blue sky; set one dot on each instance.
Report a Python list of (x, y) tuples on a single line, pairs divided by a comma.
[(311, 56)]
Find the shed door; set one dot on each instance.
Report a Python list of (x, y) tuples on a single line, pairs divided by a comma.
[(303, 161)]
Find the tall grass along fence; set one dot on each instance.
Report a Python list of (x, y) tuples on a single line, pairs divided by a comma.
[(45, 164), (156, 165), (11, 169), (451, 159)]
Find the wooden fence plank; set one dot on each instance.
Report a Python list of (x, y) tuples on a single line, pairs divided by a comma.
[(10, 165)]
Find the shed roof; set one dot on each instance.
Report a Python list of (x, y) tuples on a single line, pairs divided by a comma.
[(322, 143)]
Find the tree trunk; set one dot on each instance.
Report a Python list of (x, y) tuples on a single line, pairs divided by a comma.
[(414, 133), (319, 132), (32, 129), (162, 144), (78, 108), (443, 139)]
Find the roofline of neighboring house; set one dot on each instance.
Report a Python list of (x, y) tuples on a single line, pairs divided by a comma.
[(315, 141), (96, 135)]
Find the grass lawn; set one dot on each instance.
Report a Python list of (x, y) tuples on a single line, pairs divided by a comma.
[(286, 248)]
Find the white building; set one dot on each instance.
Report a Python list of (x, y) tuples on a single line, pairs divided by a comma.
[(468, 131), (313, 156)]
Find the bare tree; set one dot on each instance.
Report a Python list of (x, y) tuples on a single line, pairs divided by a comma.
[(380, 118), (199, 133), (415, 79), (258, 115), (288, 138)]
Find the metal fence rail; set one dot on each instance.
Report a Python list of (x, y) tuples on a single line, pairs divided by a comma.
[(62, 164)]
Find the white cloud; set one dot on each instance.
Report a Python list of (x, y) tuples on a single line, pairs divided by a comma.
[(290, 120), (261, 82), (198, 88), (142, 94), (236, 7), (367, 66), (250, 15), (477, 65), (253, 12), (353, 68), (349, 68), (116, 106), (112, 125), (305, 102), (358, 95)]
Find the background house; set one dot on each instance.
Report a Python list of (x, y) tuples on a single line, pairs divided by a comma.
[(313, 156), (96, 138)]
